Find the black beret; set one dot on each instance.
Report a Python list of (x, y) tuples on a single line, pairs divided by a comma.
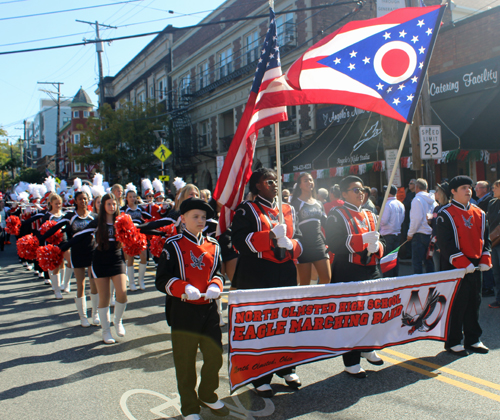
[(193, 203), (445, 188), (348, 180), (393, 191), (460, 180)]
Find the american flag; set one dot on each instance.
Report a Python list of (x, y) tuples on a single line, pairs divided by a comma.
[(238, 163), (377, 65)]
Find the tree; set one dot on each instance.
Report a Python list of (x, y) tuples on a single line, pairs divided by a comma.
[(123, 140), (31, 176)]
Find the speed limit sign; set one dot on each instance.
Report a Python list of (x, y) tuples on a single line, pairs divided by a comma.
[(430, 142)]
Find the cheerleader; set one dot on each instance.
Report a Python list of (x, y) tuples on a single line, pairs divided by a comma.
[(81, 254), (311, 215), (138, 215), (107, 264), (187, 191), (117, 191)]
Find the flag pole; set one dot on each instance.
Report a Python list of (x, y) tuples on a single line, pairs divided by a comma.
[(393, 174), (278, 169)]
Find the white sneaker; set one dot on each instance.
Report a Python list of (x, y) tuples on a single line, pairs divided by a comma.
[(356, 370), (372, 358), (192, 417)]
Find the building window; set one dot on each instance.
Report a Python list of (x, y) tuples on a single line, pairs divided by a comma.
[(202, 75), (226, 129), (78, 167), (76, 138), (252, 47), (289, 128), (151, 91), (185, 85), (225, 62), (86, 114), (161, 89), (286, 30), (76, 114), (203, 136)]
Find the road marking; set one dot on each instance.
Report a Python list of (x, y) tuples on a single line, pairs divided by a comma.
[(444, 379), (445, 369)]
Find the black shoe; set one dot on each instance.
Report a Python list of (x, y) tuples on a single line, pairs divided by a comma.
[(478, 348), (218, 408), (458, 353), (265, 392), (488, 292)]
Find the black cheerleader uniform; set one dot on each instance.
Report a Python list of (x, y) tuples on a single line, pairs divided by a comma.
[(71, 224), (138, 215), (311, 217), (226, 244), (105, 262)]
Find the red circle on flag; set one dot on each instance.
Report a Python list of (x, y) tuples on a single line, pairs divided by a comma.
[(395, 62)]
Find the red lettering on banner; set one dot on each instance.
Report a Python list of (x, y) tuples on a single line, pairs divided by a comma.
[(295, 325), (263, 330), (383, 317), (238, 333), (357, 305), (384, 303), (318, 323)]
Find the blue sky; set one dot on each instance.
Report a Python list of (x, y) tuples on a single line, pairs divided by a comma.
[(75, 66)]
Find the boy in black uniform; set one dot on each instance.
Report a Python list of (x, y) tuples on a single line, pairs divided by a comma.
[(464, 240), (189, 266)]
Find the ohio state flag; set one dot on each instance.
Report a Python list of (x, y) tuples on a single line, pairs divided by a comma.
[(378, 65)]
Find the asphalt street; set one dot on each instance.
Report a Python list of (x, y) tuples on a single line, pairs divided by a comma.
[(51, 368)]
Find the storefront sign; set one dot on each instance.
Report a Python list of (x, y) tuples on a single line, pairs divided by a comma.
[(331, 116), (430, 142), (390, 161), (387, 6), (468, 79)]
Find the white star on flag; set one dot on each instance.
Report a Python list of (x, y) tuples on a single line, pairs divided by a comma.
[(263, 51), (401, 86), (421, 50), (402, 34), (396, 101), (337, 61), (420, 65), (389, 90), (420, 23), (366, 60), (429, 31), (387, 35), (414, 39), (351, 66), (410, 98), (414, 79), (353, 53), (380, 86), (271, 55)]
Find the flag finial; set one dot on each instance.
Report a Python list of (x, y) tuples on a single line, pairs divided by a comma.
[(271, 4)]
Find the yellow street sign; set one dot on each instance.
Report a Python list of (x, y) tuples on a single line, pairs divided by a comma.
[(58, 180), (164, 178), (162, 153)]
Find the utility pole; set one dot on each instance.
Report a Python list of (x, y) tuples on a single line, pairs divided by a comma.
[(99, 50), (58, 101)]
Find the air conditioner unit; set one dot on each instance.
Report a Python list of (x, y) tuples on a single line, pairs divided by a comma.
[(289, 39)]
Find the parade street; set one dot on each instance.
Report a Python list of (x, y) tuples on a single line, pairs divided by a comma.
[(52, 368)]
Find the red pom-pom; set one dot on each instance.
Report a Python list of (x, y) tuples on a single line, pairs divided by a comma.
[(135, 244), (56, 238), (125, 229), (27, 247), (12, 225), (49, 257), (157, 242)]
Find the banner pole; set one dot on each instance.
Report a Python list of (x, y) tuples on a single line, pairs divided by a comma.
[(393, 174), (278, 169)]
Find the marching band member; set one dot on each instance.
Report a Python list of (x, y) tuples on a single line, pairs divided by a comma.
[(138, 215), (464, 240), (351, 236), (267, 250), (190, 265)]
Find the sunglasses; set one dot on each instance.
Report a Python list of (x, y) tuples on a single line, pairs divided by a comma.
[(271, 182), (357, 190)]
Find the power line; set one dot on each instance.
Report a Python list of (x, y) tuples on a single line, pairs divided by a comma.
[(68, 10), (174, 29)]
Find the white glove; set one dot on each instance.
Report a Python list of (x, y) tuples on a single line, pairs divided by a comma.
[(192, 292), (484, 267), (279, 231), (373, 248), (470, 268), (370, 237), (285, 242), (213, 292)]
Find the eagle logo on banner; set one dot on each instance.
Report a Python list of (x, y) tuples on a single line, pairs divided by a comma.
[(197, 262), (422, 314)]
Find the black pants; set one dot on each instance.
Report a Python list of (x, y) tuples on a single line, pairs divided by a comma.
[(464, 317), (2, 239), (193, 326)]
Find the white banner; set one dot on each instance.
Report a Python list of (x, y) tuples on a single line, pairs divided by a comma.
[(275, 328)]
